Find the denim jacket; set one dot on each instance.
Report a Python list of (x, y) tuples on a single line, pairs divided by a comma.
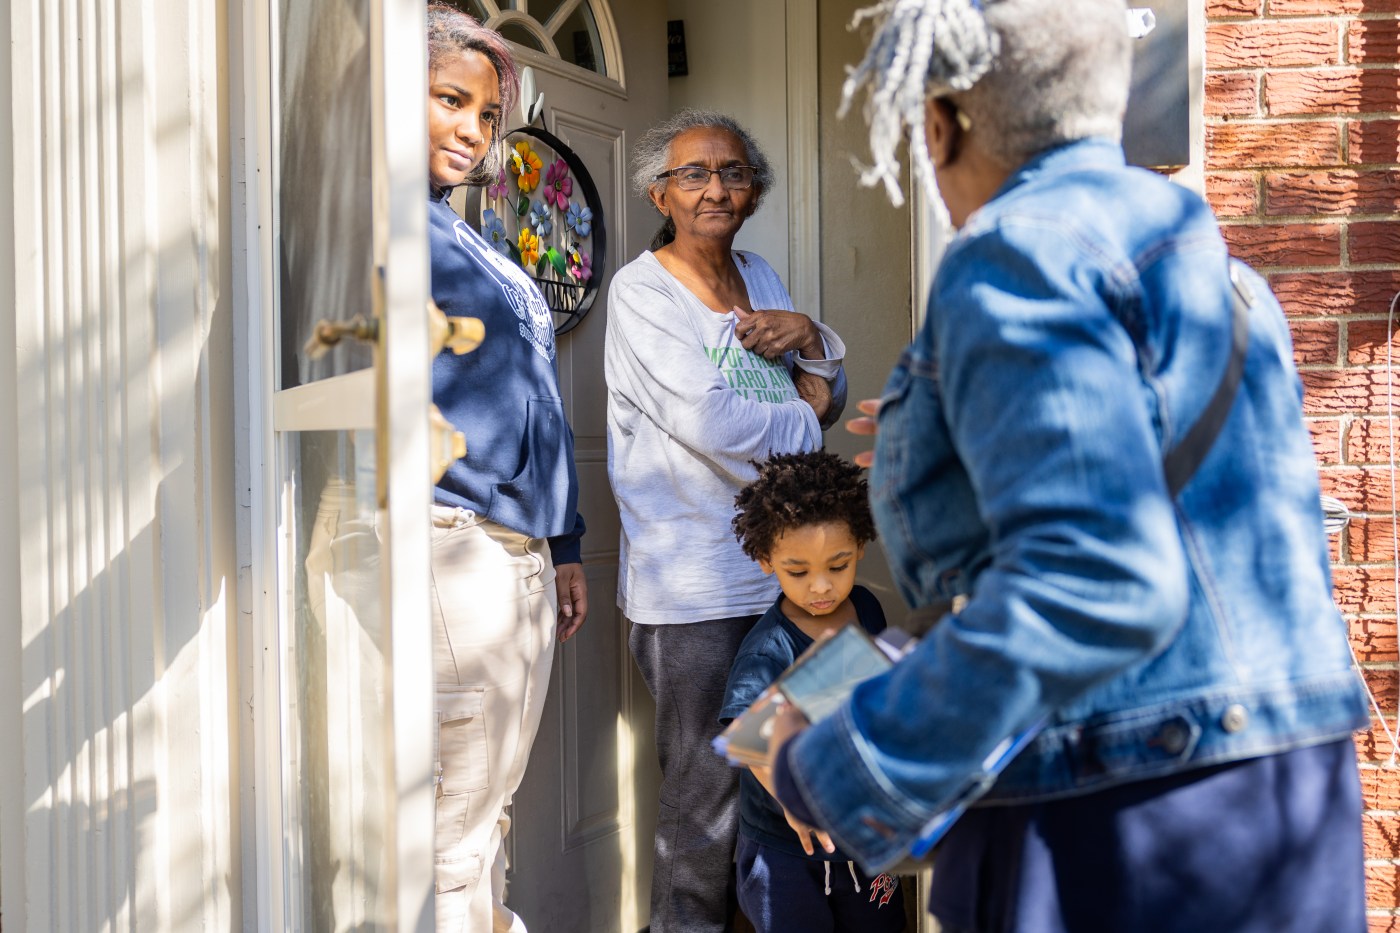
[(1077, 326)]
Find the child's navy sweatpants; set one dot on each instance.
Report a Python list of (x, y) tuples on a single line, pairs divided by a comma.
[(784, 893)]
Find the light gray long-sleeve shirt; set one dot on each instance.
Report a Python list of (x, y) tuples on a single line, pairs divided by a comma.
[(688, 409)]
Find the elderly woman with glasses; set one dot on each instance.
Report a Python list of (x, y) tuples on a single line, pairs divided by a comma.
[(709, 368), (1093, 478)]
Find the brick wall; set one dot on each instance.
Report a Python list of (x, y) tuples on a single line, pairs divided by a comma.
[(1303, 168)]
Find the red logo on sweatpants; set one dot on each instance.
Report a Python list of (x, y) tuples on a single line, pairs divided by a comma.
[(883, 887)]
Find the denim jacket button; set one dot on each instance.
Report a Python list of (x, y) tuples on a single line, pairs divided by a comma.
[(1235, 718), (1173, 738)]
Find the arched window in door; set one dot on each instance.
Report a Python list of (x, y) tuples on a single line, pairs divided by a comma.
[(579, 32)]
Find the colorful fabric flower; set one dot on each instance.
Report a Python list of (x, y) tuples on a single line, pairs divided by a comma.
[(540, 219), (497, 190), (529, 248), (558, 185), (525, 165), (580, 265), (579, 219), (493, 231)]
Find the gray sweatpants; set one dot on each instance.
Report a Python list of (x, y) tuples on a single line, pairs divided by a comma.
[(685, 668)]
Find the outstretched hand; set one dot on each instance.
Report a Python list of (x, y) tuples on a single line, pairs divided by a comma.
[(866, 426)]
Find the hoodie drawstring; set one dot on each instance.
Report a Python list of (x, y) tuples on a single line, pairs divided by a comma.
[(851, 866)]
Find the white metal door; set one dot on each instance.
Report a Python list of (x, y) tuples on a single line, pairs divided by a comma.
[(343, 709)]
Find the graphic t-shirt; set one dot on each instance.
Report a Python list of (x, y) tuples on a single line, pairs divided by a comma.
[(689, 409)]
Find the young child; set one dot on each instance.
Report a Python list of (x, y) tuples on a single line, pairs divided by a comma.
[(805, 518)]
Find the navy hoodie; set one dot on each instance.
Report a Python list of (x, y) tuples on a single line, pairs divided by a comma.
[(504, 395)]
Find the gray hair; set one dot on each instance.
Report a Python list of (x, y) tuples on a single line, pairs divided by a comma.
[(651, 154), (1030, 74)]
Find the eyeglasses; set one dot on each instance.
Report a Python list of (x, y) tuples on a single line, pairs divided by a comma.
[(695, 177)]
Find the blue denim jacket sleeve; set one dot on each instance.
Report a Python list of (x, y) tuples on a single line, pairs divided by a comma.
[(1022, 379)]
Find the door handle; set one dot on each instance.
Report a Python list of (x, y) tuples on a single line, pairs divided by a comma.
[(326, 334), (448, 444), (458, 334)]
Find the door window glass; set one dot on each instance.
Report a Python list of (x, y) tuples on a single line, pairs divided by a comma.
[(518, 34), (324, 246), (578, 40), (573, 26)]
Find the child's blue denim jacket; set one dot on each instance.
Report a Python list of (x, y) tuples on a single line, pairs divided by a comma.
[(1077, 326)]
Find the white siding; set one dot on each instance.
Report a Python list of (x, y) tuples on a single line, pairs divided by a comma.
[(118, 712)]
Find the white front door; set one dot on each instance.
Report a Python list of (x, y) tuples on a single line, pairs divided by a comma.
[(580, 844), (343, 711)]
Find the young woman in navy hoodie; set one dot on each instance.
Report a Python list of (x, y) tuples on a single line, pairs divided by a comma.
[(507, 577)]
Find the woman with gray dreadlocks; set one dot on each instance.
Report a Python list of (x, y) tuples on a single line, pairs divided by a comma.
[(1119, 549)]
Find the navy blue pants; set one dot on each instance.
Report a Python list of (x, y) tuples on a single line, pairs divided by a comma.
[(784, 893), (1267, 845)]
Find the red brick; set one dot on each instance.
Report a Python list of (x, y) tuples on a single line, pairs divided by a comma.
[(1312, 293), (1382, 885), (1375, 241), (1365, 589), (1372, 744), (1380, 788), (1268, 145), (1336, 90), (1330, 7), (1382, 923), (1373, 640), (1232, 194), (1315, 342), (1381, 836), (1364, 489), (1373, 141), (1383, 682), (1366, 343), (1217, 9), (1286, 244), (1326, 440), (1340, 191), (1343, 392), (1373, 41), (1231, 95), (1272, 45), (1368, 439), (1371, 540)]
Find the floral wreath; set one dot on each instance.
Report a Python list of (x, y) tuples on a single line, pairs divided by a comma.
[(543, 211)]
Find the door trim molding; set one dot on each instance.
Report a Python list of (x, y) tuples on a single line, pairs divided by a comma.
[(803, 159)]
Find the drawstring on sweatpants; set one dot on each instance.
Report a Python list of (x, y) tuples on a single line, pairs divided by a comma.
[(850, 867)]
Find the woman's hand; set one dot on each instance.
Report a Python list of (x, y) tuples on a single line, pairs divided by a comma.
[(814, 390), (867, 426), (572, 587), (771, 333)]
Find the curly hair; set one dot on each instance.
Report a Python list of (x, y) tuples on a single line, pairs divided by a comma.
[(794, 490)]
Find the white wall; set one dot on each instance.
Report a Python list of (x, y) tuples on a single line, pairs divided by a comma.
[(117, 684), (738, 65)]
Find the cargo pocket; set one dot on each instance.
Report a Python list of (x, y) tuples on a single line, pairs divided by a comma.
[(462, 763), (453, 874)]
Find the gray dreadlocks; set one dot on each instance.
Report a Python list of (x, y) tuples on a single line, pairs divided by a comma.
[(1030, 74)]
